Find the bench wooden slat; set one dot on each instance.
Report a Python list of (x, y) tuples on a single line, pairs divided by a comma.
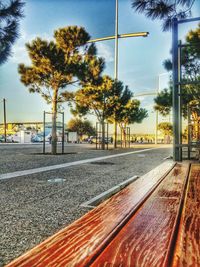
[(80, 242), (187, 251), (147, 238)]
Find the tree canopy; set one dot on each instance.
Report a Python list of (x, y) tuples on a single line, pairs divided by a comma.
[(164, 10), (166, 128), (82, 127), (95, 99), (10, 14), (131, 113), (190, 68), (58, 64), (109, 101)]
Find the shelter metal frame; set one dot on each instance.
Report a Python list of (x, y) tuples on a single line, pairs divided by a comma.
[(177, 92), (193, 133)]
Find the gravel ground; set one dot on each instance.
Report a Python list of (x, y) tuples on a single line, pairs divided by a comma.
[(14, 157), (33, 209)]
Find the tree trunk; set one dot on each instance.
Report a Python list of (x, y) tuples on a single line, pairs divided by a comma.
[(103, 135), (196, 125), (124, 136), (54, 115), (115, 134), (124, 131), (80, 138)]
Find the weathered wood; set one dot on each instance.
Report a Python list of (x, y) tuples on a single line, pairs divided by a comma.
[(80, 242), (147, 238), (187, 251)]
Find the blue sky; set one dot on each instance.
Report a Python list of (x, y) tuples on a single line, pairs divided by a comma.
[(140, 59)]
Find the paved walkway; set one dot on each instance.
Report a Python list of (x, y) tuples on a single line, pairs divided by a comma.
[(65, 165)]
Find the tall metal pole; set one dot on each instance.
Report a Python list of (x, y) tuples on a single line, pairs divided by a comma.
[(180, 100), (189, 130), (157, 113), (4, 112), (116, 65), (176, 119), (156, 128), (116, 41), (63, 133)]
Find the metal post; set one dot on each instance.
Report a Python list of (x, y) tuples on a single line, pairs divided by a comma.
[(176, 119), (107, 136), (125, 139), (180, 100), (156, 128), (44, 133), (129, 136), (63, 134), (189, 131), (96, 133), (5, 124), (116, 65), (116, 41)]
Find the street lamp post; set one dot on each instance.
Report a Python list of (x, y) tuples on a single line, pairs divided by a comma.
[(116, 66), (116, 37), (157, 91)]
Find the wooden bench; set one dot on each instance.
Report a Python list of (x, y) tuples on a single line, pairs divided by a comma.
[(136, 227), (187, 250)]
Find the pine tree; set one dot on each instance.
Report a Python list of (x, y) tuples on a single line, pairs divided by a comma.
[(190, 68), (59, 64), (82, 127), (95, 99), (125, 109), (109, 101), (10, 13), (164, 10)]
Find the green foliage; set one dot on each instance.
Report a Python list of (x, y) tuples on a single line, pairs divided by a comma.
[(81, 127), (95, 99), (190, 62), (164, 10), (58, 64), (125, 109), (166, 128), (10, 13), (190, 57), (109, 101), (131, 113), (163, 101)]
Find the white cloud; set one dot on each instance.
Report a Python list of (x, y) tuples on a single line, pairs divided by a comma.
[(141, 98), (19, 52), (105, 51)]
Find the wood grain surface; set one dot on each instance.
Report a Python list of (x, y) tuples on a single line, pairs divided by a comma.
[(147, 238), (80, 242), (187, 252)]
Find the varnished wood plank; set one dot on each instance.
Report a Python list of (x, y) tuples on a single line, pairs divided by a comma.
[(147, 238), (187, 251), (77, 244)]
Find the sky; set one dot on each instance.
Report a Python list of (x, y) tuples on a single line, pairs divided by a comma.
[(140, 59)]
